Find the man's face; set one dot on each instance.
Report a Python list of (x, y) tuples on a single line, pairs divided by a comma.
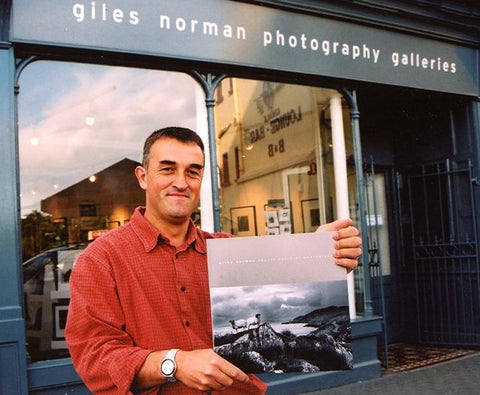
[(172, 181)]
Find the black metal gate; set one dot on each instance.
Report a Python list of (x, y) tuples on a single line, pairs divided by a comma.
[(441, 244)]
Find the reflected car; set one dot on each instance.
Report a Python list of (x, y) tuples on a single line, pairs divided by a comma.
[(47, 294)]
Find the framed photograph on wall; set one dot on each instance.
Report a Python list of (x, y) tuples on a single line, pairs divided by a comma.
[(60, 311), (244, 221), (310, 215), (284, 216), (285, 228), (271, 219)]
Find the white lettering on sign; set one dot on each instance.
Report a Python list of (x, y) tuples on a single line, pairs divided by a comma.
[(205, 27), (419, 61), (313, 258), (326, 47), (103, 12)]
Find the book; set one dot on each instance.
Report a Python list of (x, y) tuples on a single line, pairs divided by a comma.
[(279, 303)]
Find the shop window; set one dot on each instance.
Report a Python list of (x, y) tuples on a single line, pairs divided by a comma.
[(237, 163), (225, 170), (88, 210), (219, 93), (280, 138), (81, 130)]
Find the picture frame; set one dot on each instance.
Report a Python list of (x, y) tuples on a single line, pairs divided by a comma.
[(272, 231), (310, 215), (243, 221), (284, 215), (278, 220), (60, 310), (271, 219), (285, 228)]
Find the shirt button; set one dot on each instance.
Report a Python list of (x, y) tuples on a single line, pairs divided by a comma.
[(182, 288), (187, 323)]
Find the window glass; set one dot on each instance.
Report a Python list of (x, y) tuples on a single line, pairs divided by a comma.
[(274, 147), (81, 131), (275, 156)]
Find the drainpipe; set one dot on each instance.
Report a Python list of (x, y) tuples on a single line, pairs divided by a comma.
[(209, 84), (341, 182), (355, 117)]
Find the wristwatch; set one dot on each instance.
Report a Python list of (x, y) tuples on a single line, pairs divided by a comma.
[(169, 366)]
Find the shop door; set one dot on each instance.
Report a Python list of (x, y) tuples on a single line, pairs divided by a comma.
[(441, 253), (378, 217)]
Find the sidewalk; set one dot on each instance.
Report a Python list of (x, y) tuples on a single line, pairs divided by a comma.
[(460, 376)]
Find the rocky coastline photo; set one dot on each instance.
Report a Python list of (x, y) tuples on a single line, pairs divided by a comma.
[(263, 349)]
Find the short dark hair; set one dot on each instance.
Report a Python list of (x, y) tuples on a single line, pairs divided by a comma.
[(184, 135)]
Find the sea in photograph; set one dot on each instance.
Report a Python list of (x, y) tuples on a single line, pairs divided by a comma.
[(297, 329)]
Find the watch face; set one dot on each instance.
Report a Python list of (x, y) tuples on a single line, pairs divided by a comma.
[(168, 367)]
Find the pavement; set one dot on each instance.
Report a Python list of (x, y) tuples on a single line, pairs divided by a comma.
[(460, 376)]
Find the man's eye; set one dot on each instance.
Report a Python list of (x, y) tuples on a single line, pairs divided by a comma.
[(167, 169), (194, 173)]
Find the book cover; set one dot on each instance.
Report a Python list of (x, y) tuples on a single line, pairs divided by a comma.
[(279, 303)]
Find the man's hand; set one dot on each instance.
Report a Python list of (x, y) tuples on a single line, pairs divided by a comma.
[(205, 370), (347, 242)]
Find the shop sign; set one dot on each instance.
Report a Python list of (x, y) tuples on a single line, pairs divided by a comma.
[(236, 33), (95, 234)]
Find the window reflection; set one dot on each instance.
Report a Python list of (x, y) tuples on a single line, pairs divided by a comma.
[(275, 156), (81, 131)]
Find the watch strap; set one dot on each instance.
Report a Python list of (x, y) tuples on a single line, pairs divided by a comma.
[(170, 355)]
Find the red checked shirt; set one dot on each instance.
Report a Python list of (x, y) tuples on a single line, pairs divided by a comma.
[(133, 293)]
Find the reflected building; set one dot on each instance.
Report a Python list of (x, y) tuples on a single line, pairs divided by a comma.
[(274, 147), (101, 201)]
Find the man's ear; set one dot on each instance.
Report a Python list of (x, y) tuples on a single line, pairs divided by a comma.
[(141, 174)]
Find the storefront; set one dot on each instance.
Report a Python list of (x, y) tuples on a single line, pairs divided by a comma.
[(310, 111)]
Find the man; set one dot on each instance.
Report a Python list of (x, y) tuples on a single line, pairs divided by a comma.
[(139, 316)]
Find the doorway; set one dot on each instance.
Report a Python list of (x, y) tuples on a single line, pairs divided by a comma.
[(440, 231), (424, 146)]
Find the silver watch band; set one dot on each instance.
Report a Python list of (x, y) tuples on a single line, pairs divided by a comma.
[(171, 353), (169, 359)]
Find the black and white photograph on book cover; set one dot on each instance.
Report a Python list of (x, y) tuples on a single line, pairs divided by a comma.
[(279, 304)]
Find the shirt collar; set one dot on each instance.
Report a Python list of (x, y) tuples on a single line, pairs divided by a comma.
[(151, 236)]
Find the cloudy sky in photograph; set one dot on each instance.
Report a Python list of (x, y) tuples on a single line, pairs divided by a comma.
[(77, 119), (277, 302)]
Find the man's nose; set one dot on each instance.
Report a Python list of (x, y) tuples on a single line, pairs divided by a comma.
[(180, 180)]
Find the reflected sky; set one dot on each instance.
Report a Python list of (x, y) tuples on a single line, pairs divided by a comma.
[(77, 119)]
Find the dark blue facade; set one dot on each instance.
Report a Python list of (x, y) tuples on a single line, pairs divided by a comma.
[(453, 138)]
